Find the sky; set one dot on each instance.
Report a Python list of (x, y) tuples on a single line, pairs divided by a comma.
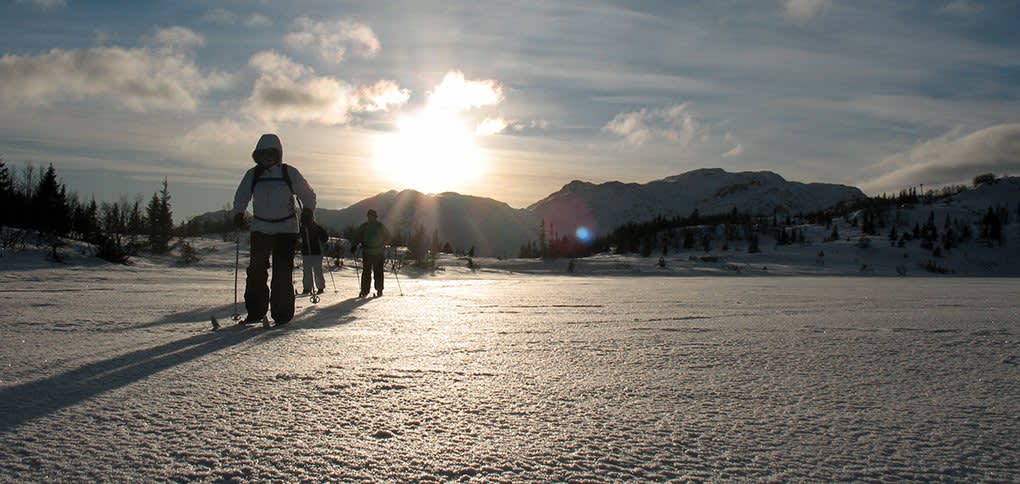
[(506, 100)]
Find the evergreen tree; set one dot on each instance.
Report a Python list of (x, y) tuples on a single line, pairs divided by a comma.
[(8, 197), (434, 244), (135, 219), (752, 244), (160, 218), (50, 211), (543, 245)]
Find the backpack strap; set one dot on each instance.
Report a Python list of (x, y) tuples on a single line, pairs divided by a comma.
[(259, 170)]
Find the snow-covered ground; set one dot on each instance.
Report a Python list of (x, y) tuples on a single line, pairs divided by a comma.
[(111, 373)]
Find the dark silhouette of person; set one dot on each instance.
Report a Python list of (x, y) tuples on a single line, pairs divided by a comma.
[(313, 236), (271, 187), (372, 237)]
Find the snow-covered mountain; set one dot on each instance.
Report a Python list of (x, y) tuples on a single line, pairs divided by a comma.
[(492, 227), (603, 207)]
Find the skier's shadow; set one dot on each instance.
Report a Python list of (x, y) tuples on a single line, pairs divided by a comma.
[(326, 315), (27, 401), (188, 316)]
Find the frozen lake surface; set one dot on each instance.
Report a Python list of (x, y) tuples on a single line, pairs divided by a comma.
[(115, 375)]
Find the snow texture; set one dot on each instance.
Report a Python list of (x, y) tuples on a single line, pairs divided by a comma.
[(111, 373)]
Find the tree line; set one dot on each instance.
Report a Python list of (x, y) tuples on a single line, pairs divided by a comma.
[(871, 215), (38, 202)]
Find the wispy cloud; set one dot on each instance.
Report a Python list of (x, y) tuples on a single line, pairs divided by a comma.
[(735, 152), (333, 39), (674, 123), (290, 92), (258, 20), (212, 134), (220, 16), (140, 79), (45, 4), (920, 110), (954, 158), (963, 8), (804, 10), (177, 38)]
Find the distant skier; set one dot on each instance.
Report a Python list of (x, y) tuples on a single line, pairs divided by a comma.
[(372, 237), (271, 186), (313, 237)]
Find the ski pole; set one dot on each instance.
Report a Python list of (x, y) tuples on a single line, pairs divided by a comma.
[(332, 281), (237, 261), (396, 275), (314, 298)]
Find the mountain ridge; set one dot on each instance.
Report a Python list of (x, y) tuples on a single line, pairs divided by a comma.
[(493, 227)]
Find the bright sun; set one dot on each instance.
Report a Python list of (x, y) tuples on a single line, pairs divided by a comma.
[(432, 152)]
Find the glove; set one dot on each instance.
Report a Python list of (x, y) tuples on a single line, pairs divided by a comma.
[(239, 220), (307, 217)]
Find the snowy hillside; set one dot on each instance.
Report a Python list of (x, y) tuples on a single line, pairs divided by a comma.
[(603, 207)]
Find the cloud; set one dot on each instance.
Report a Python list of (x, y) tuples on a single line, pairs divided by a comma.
[(455, 93), (220, 16), (45, 4), (290, 92), (177, 38), (333, 39), (380, 96), (491, 126), (921, 110), (735, 152), (273, 64), (258, 20), (804, 10), (213, 134), (674, 123), (140, 79), (963, 8), (951, 159)]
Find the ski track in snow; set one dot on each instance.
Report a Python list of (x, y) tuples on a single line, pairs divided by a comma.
[(114, 375)]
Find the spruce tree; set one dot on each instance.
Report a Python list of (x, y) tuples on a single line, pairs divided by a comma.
[(7, 196), (160, 218), (543, 244), (49, 208)]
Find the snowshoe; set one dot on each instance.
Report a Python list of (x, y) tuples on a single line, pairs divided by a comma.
[(253, 320)]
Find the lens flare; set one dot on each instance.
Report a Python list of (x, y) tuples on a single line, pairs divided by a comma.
[(584, 235)]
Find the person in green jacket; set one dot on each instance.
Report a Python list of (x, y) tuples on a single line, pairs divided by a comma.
[(372, 237)]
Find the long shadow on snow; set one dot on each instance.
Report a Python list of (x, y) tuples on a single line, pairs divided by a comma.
[(28, 401), (324, 316), (20, 404), (199, 314)]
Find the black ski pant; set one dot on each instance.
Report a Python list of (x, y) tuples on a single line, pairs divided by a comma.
[(372, 265), (257, 295)]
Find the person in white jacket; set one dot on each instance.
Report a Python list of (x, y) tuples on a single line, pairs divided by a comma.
[(271, 187)]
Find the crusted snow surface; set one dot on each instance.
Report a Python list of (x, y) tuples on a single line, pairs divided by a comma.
[(114, 375)]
